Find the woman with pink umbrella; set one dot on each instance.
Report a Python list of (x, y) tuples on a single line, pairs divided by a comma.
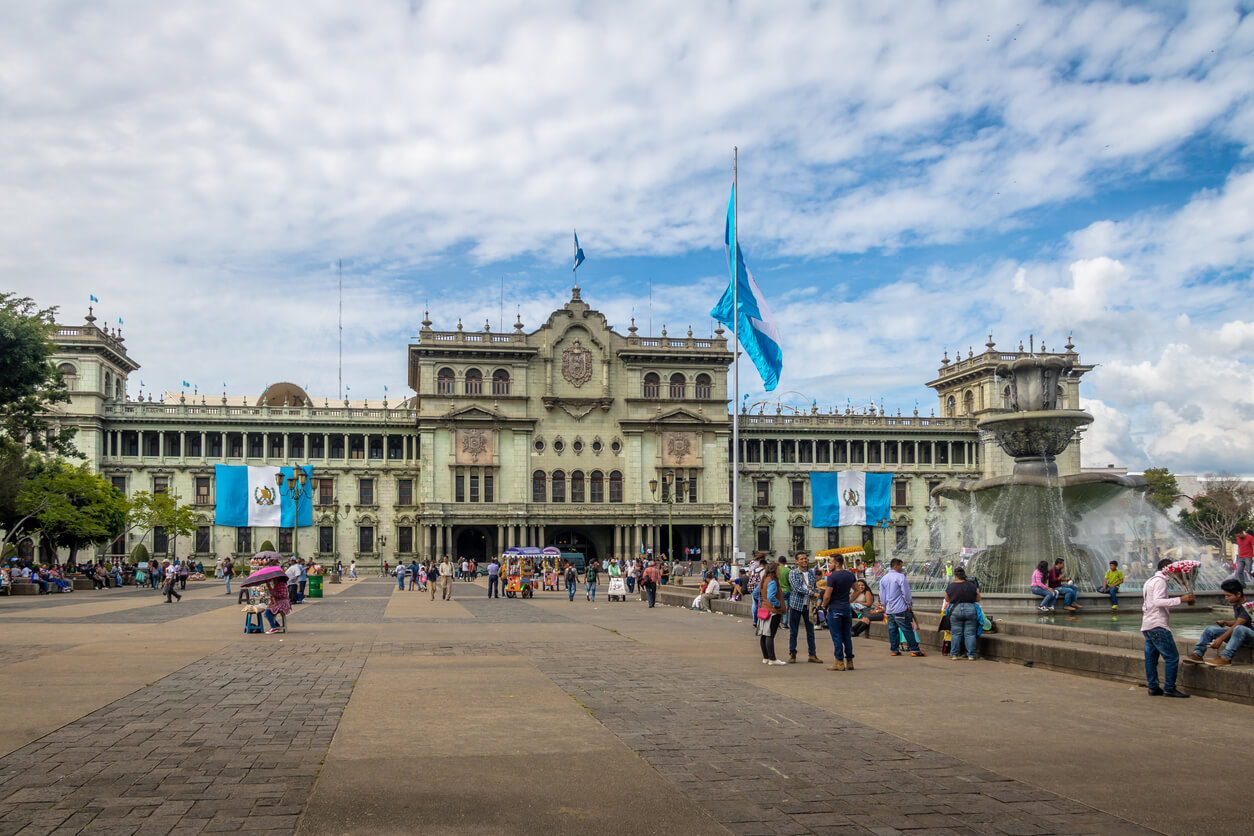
[(275, 581)]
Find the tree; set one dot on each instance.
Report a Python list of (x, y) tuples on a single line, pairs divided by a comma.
[(146, 512), (1163, 489), (29, 383), (1222, 509), (266, 546), (73, 507)]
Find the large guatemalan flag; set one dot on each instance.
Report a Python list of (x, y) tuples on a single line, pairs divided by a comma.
[(758, 333), (849, 497), (248, 496)]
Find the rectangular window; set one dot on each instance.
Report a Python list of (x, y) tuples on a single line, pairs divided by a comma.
[(285, 541), (316, 448), (596, 488), (762, 499), (925, 452), (753, 451), (337, 446), (899, 492), (365, 539), (960, 453), (798, 538), (365, 492), (154, 444), (118, 547), (204, 541), (798, 493), (160, 541), (298, 445), (376, 447), (764, 538), (942, 452), (840, 452), (788, 451), (326, 539), (932, 500), (901, 538), (890, 452), (805, 451), (857, 452), (119, 482), (868, 534), (130, 444), (326, 491), (193, 446), (873, 452), (276, 445), (215, 446), (160, 484), (356, 447), (823, 452), (405, 492), (396, 449), (692, 489), (833, 538), (474, 487), (405, 539), (770, 451), (459, 487), (576, 486), (559, 487), (907, 452), (203, 497), (244, 541), (256, 446), (616, 487), (487, 488)]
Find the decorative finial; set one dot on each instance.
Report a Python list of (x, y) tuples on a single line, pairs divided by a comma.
[(574, 294), (718, 332), (426, 318), (1070, 346), (663, 329), (945, 359), (632, 330), (990, 345), (487, 326), (690, 332), (90, 316), (459, 323), (970, 352)]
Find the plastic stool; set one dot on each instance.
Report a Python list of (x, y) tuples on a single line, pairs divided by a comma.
[(252, 623)]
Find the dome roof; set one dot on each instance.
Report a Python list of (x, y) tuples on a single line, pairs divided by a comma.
[(284, 394)]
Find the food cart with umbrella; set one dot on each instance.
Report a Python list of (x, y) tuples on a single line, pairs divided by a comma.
[(520, 571), (258, 597), (548, 567)]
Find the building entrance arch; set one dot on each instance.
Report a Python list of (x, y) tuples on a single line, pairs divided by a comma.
[(574, 540), (473, 542)]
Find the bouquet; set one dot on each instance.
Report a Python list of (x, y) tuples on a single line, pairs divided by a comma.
[(1184, 572)]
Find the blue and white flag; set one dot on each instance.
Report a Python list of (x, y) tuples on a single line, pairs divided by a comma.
[(759, 335), (92, 298), (849, 497), (249, 496), (578, 253)]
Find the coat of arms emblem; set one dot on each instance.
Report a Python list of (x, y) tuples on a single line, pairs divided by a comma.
[(577, 364), (678, 446), (264, 495), (852, 498), (474, 442)]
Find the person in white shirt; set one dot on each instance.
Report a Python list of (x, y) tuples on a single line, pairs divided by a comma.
[(712, 591), (352, 570), (446, 579), (293, 582), (1156, 628), (171, 578)]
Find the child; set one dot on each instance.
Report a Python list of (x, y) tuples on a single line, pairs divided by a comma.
[(1114, 578), (1238, 629)]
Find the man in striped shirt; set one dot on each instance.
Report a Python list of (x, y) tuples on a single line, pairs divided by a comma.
[(801, 590)]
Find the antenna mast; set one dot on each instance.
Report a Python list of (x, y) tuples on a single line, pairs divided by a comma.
[(341, 325)]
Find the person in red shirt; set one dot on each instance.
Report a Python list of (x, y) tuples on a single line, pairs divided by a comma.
[(1245, 556)]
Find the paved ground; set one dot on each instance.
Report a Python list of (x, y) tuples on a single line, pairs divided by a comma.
[(385, 712)]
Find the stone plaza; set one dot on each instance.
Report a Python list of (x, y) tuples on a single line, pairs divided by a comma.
[(381, 711)]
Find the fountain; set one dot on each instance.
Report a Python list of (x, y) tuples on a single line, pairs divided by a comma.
[(1034, 511)]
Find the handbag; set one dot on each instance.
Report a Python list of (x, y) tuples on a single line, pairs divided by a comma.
[(944, 623), (763, 613)]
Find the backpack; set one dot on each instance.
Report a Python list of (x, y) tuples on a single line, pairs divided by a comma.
[(571, 574)]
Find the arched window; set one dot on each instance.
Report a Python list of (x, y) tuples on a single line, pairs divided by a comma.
[(1061, 403), (444, 381), (968, 403), (678, 384), (1005, 398), (703, 387), (576, 486), (596, 487), (538, 487), (559, 486), (120, 393), (652, 385), (69, 375), (500, 382), (474, 382), (949, 407), (616, 486)]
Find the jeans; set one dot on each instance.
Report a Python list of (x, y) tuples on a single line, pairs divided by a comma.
[(494, 583), (1068, 593), (840, 625), (274, 624), (400, 581), (171, 592), (1048, 595), (1244, 567), (228, 584), (1240, 635), (650, 592), (768, 642), (1113, 592), (963, 626), (631, 585), (901, 630), (1159, 642), (592, 590), (795, 619), (300, 588), (570, 590)]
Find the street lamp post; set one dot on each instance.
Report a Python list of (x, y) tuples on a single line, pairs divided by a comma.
[(298, 487), (670, 484)]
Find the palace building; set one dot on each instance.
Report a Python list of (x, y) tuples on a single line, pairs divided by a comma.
[(571, 435)]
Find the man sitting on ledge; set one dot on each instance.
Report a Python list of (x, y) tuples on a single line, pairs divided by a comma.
[(1235, 632)]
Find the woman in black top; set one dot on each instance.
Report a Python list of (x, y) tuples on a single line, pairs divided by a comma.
[(961, 597)]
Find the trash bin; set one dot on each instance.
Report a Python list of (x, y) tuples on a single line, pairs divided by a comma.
[(315, 586)]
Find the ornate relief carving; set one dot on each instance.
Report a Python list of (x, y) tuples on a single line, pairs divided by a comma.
[(577, 365), (577, 408), (474, 446), (679, 449)]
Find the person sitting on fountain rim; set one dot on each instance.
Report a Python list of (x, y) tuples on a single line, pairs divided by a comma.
[(1040, 586), (1111, 583), (1235, 632), (1063, 585), (1156, 628)]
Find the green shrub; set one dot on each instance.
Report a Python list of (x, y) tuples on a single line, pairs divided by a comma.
[(266, 546), (869, 548), (139, 554)]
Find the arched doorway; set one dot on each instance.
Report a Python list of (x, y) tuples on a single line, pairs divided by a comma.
[(574, 540), (472, 543)]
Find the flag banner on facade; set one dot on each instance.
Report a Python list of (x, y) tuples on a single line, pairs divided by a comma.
[(249, 496), (849, 497), (579, 259), (758, 333)]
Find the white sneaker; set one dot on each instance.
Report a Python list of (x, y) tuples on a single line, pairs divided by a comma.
[(777, 662), (766, 661)]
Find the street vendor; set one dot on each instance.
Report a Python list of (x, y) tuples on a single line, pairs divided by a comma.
[(279, 603)]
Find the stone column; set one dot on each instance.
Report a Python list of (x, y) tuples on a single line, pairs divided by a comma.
[(500, 538)]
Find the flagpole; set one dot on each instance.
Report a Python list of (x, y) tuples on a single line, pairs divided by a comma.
[(735, 278)]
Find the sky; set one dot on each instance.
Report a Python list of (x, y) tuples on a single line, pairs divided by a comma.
[(913, 177)]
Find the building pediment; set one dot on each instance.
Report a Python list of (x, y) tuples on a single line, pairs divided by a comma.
[(675, 417), (577, 408), (471, 413)]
